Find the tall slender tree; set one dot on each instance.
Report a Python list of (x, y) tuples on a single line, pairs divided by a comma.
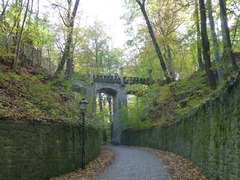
[(4, 8), (226, 35), (199, 49), (154, 40), (17, 48), (67, 53), (216, 54), (166, 17), (205, 45)]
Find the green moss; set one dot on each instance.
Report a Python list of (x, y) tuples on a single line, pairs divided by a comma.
[(10, 76), (178, 99), (37, 97), (209, 136)]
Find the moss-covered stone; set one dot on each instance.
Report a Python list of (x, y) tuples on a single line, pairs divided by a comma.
[(210, 136), (37, 150)]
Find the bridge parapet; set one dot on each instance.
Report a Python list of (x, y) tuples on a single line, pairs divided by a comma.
[(117, 80), (106, 79), (136, 80)]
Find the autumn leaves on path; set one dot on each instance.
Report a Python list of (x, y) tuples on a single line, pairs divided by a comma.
[(176, 166)]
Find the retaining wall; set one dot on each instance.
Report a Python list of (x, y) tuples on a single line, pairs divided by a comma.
[(210, 136), (38, 150)]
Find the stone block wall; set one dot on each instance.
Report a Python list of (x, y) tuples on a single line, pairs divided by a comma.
[(210, 136), (38, 150)]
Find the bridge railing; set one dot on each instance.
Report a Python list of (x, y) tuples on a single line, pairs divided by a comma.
[(117, 80), (106, 79), (136, 80)]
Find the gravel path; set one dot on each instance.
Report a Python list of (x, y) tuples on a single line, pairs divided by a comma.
[(131, 164)]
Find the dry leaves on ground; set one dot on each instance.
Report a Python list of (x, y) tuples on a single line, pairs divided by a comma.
[(93, 169), (178, 167)]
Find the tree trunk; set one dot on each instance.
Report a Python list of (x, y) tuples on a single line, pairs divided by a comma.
[(216, 53), (169, 60), (235, 30), (199, 49), (16, 34), (155, 43), (96, 51), (227, 34), (67, 54), (206, 46), (70, 68), (10, 31), (100, 100), (67, 47), (109, 100), (3, 11), (15, 63)]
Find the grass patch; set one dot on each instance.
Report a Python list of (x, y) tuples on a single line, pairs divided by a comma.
[(29, 95), (179, 98)]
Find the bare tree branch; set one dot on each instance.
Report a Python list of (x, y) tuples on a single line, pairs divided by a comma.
[(60, 14), (4, 9)]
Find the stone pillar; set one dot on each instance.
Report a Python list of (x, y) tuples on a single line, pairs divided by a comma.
[(119, 101)]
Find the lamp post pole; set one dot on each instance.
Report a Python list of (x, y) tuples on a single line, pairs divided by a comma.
[(83, 107), (83, 141)]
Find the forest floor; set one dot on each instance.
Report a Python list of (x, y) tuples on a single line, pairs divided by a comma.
[(29, 94), (178, 167)]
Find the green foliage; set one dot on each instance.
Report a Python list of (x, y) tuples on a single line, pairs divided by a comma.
[(10, 76), (178, 99), (32, 110), (33, 97), (93, 52), (137, 89), (161, 105), (41, 36), (134, 115), (6, 57), (102, 120)]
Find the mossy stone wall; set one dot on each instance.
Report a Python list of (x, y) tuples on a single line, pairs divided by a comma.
[(210, 136), (38, 150)]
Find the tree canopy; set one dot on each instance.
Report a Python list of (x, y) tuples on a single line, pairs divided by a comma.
[(167, 41)]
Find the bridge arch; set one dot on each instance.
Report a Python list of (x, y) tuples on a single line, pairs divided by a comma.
[(114, 86), (119, 100), (107, 90)]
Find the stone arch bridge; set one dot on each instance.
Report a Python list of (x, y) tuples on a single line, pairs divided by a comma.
[(114, 86)]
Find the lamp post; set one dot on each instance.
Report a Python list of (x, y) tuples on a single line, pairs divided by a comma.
[(83, 107)]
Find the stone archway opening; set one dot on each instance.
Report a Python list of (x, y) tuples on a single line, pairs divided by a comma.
[(104, 101), (115, 88), (113, 100)]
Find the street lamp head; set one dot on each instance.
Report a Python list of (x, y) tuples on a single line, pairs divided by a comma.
[(83, 104)]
